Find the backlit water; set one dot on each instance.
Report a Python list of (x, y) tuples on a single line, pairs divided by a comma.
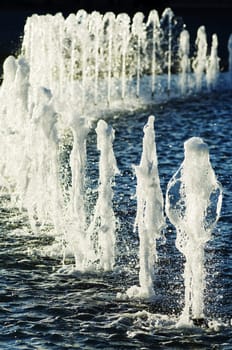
[(45, 305)]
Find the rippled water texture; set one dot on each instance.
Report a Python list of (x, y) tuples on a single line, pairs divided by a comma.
[(47, 306)]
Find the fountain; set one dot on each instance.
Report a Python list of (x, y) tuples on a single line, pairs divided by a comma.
[(103, 224), (153, 21), (74, 72), (212, 70), (128, 61), (184, 50), (149, 217), (200, 61), (193, 204), (168, 16)]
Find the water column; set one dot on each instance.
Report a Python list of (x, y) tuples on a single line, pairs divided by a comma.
[(72, 50), (43, 197), (149, 218), (83, 41), (169, 15), (60, 57), (138, 30), (199, 63), (33, 36), (123, 36), (109, 19), (184, 61), (102, 229), (193, 204), (95, 28), (230, 59), (153, 20), (76, 221), (212, 70), (14, 87)]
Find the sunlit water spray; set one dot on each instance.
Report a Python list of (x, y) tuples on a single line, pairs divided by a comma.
[(212, 70), (102, 230), (61, 82), (116, 58), (193, 204), (200, 61), (149, 218), (184, 50)]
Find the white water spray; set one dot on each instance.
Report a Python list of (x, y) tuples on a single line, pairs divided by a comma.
[(75, 65), (212, 70), (76, 220), (109, 20), (199, 63), (138, 30), (193, 204), (102, 230), (98, 60), (184, 50), (149, 217), (153, 20), (123, 34), (168, 13)]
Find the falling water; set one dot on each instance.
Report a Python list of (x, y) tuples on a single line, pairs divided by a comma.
[(193, 204)]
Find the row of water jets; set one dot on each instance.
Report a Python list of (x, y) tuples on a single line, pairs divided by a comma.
[(49, 182), (87, 56), (80, 62)]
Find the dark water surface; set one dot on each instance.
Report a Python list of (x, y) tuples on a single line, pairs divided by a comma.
[(45, 306)]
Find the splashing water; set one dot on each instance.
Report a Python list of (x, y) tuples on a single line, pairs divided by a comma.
[(73, 71), (104, 222), (76, 224), (103, 60), (212, 70), (193, 204), (184, 50), (199, 63), (149, 217), (153, 21), (168, 16)]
